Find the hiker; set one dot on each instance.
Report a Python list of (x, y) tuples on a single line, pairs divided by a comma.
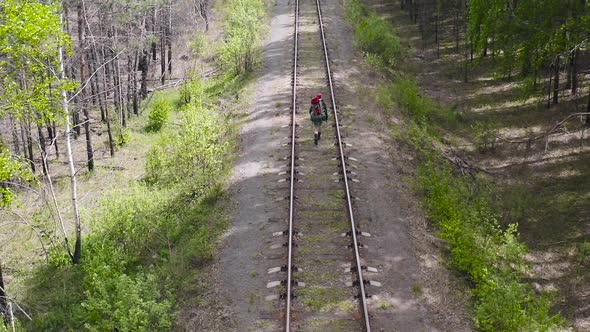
[(318, 113)]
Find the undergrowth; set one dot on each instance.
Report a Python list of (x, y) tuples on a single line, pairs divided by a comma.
[(489, 256), (146, 244)]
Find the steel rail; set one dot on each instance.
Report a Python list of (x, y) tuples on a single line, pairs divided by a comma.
[(345, 175), (292, 189), (293, 173)]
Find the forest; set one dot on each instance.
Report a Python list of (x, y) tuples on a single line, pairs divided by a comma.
[(119, 129)]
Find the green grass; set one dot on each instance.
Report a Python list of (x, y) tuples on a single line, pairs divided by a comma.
[(321, 299)]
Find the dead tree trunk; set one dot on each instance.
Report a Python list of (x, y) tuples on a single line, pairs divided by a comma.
[(43, 148), (163, 48), (97, 100), (28, 140), (134, 84), (169, 38), (15, 139), (54, 126), (154, 33), (3, 300), (66, 112), (556, 81), (82, 96), (574, 72), (144, 66), (107, 88), (129, 87)]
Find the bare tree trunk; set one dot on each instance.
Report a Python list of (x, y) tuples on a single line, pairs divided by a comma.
[(205, 13), (23, 139), (43, 148), (54, 126), (66, 111), (15, 139), (154, 33), (169, 38), (457, 29), (120, 92), (3, 302), (436, 40), (50, 136), (82, 96), (556, 81), (134, 84), (100, 88), (106, 71), (163, 48), (89, 149), (95, 85), (76, 122), (26, 129), (574, 71), (144, 66), (129, 87)]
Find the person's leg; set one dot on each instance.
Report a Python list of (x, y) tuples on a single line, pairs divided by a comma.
[(316, 135), (320, 130)]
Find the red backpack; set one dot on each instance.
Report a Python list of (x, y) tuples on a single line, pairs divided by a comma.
[(316, 111)]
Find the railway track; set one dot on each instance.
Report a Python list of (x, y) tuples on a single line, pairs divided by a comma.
[(325, 287)]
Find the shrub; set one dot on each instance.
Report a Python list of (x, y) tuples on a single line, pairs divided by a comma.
[(374, 35), (158, 114), (492, 258), (240, 50), (196, 151), (192, 91), (198, 44), (12, 169), (121, 135), (485, 134)]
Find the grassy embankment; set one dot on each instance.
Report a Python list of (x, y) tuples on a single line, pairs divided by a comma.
[(489, 256), (148, 243)]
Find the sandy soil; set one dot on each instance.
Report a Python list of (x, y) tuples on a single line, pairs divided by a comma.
[(240, 275)]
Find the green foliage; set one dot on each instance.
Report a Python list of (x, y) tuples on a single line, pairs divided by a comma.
[(121, 135), (404, 93), (485, 135), (196, 150), (528, 34), (198, 44), (374, 36), (12, 170), (122, 287), (583, 252), (158, 114), (30, 35), (192, 91), (492, 258), (407, 94), (240, 51)]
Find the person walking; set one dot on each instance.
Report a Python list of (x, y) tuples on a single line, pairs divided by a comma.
[(318, 113)]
